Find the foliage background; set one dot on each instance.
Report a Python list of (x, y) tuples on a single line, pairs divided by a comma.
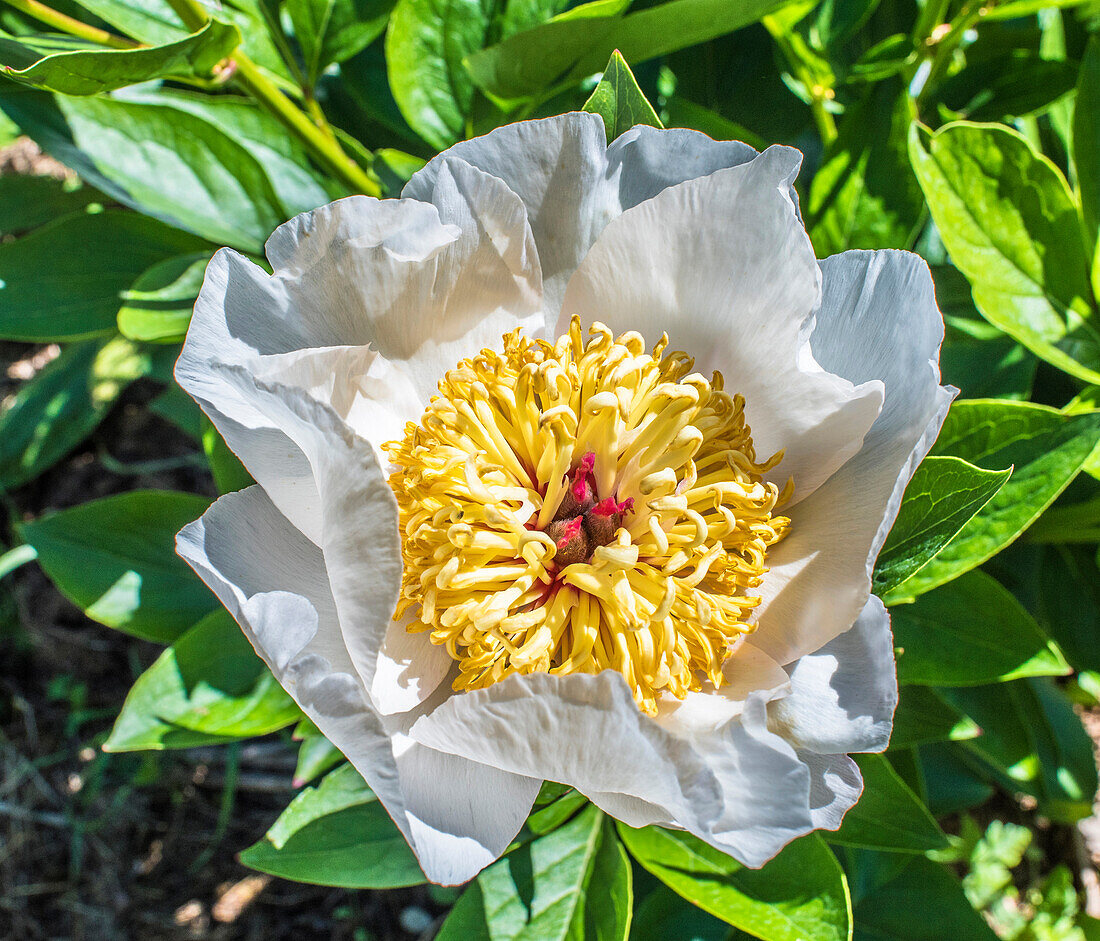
[(139, 135)]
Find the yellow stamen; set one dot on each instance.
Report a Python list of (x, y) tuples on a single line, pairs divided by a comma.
[(667, 559)]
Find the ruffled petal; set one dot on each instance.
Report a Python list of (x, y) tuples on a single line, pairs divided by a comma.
[(424, 284), (878, 320), (736, 785), (835, 786), (843, 695), (723, 265), (573, 184), (274, 582)]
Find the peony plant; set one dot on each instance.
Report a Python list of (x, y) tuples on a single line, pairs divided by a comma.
[(505, 530)]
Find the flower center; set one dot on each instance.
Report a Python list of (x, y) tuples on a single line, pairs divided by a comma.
[(582, 506)]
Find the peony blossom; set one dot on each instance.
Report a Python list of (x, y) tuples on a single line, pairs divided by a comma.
[(573, 465)]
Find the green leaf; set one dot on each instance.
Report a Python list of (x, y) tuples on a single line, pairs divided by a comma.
[(1069, 602), (1046, 450), (158, 306), (888, 816), (943, 495), (922, 902), (161, 159), (923, 717), (208, 687), (116, 559), (619, 101), (577, 43), (90, 72), (554, 813), (969, 632), (801, 895), (570, 885), (1010, 223), (336, 834), (316, 754), (949, 779), (334, 30), (1017, 84), (155, 22), (1086, 139), (664, 916), (865, 195), (30, 201), (57, 409), (1032, 741), (62, 281), (425, 44)]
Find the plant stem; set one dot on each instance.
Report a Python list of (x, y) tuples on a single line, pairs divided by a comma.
[(73, 27), (327, 151)]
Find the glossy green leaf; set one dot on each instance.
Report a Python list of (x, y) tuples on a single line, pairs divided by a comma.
[(572, 884), (207, 687), (1046, 450), (554, 813), (969, 632), (1069, 602), (334, 30), (1009, 220), (1017, 84), (58, 408), (157, 307), (425, 45), (950, 779), (161, 159), (155, 22), (316, 754), (90, 72), (577, 43), (801, 895), (1033, 742), (922, 716), (336, 834), (1086, 139), (942, 496), (888, 815), (62, 281), (29, 201), (116, 559), (664, 916), (922, 902), (619, 101), (865, 194)]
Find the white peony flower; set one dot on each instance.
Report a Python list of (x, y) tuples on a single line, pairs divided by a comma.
[(602, 575)]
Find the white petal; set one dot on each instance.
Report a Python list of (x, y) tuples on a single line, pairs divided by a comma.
[(747, 671), (737, 785), (557, 167), (878, 320), (842, 696), (645, 160), (723, 265), (424, 284), (835, 786), (274, 582), (572, 186), (410, 668)]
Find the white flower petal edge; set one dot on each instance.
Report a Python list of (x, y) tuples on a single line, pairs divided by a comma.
[(573, 183), (723, 264), (878, 319), (281, 599)]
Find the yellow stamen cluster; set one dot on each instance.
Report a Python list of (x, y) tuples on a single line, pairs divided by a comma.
[(481, 478)]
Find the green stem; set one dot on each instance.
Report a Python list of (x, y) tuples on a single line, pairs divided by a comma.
[(823, 117), (946, 46), (73, 27), (13, 558), (327, 151)]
